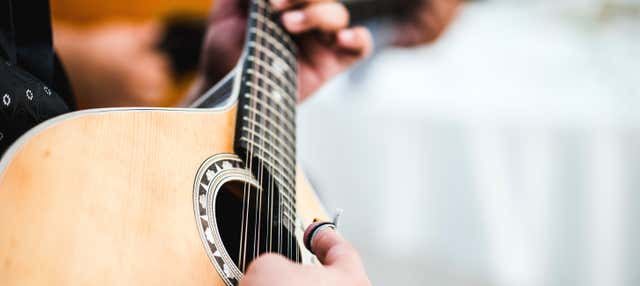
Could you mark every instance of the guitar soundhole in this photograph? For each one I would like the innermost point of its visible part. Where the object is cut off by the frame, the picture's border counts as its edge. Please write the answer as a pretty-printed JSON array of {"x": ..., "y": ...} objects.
[{"x": 249, "y": 224}]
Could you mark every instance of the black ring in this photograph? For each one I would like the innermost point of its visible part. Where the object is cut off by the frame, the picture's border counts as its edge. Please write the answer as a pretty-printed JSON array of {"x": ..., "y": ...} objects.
[{"x": 312, "y": 234}]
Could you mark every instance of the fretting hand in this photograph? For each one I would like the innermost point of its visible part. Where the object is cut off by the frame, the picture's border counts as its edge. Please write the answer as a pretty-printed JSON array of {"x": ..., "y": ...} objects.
[{"x": 327, "y": 46}]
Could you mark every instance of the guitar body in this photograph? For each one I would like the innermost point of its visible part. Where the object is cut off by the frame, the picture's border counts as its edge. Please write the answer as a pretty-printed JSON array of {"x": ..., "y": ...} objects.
[
  {"x": 106, "y": 197},
  {"x": 164, "y": 196}
]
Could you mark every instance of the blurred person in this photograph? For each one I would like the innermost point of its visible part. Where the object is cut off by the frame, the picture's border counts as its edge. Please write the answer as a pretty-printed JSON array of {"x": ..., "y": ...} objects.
[
  {"x": 151, "y": 63},
  {"x": 111, "y": 51},
  {"x": 115, "y": 64}
]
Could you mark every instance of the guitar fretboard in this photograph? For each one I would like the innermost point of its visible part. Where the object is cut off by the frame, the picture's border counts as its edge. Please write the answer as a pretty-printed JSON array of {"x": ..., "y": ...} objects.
[{"x": 266, "y": 131}]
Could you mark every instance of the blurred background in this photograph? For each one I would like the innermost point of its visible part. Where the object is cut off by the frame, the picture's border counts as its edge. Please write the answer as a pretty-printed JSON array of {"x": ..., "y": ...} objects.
[{"x": 503, "y": 152}]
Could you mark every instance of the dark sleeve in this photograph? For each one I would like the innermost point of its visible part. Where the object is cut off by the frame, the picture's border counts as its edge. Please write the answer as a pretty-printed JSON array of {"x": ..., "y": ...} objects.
[
  {"x": 364, "y": 10},
  {"x": 7, "y": 41},
  {"x": 33, "y": 85},
  {"x": 33, "y": 40}
]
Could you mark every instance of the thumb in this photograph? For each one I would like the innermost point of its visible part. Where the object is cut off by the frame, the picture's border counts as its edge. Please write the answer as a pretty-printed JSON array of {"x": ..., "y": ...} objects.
[{"x": 332, "y": 249}]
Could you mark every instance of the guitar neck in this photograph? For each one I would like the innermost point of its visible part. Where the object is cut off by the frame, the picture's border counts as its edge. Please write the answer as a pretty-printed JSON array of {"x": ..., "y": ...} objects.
[{"x": 265, "y": 129}]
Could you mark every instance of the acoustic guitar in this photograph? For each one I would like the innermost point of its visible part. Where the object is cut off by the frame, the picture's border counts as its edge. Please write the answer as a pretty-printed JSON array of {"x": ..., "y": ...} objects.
[{"x": 152, "y": 196}]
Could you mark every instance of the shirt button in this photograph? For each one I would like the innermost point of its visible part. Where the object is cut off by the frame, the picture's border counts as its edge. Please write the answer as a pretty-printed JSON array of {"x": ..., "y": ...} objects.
[{"x": 6, "y": 99}]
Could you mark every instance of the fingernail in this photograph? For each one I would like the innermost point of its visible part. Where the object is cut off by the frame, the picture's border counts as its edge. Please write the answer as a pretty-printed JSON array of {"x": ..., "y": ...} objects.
[
  {"x": 294, "y": 17},
  {"x": 347, "y": 36}
]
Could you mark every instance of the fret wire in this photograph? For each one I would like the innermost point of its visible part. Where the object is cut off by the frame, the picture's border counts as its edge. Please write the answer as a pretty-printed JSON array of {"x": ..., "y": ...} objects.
[
  {"x": 252, "y": 150},
  {"x": 291, "y": 128},
  {"x": 278, "y": 76},
  {"x": 286, "y": 180},
  {"x": 291, "y": 220},
  {"x": 288, "y": 211},
  {"x": 270, "y": 55},
  {"x": 254, "y": 135},
  {"x": 283, "y": 61},
  {"x": 288, "y": 170},
  {"x": 257, "y": 7},
  {"x": 287, "y": 222},
  {"x": 288, "y": 73},
  {"x": 277, "y": 29},
  {"x": 271, "y": 83},
  {"x": 279, "y": 150},
  {"x": 277, "y": 160},
  {"x": 271, "y": 24},
  {"x": 248, "y": 164},
  {"x": 288, "y": 206},
  {"x": 288, "y": 117},
  {"x": 271, "y": 44},
  {"x": 275, "y": 42},
  {"x": 287, "y": 86},
  {"x": 259, "y": 47},
  {"x": 287, "y": 134},
  {"x": 263, "y": 91},
  {"x": 265, "y": 49},
  {"x": 260, "y": 51},
  {"x": 289, "y": 199},
  {"x": 289, "y": 56},
  {"x": 290, "y": 159},
  {"x": 287, "y": 145},
  {"x": 250, "y": 144}
]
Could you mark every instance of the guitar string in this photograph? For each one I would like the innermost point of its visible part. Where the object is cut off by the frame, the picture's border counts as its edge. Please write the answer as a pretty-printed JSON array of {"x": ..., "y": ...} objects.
[
  {"x": 247, "y": 190},
  {"x": 242, "y": 222},
  {"x": 291, "y": 251},
  {"x": 269, "y": 112},
  {"x": 271, "y": 187},
  {"x": 269, "y": 80},
  {"x": 260, "y": 168},
  {"x": 291, "y": 235},
  {"x": 256, "y": 250}
]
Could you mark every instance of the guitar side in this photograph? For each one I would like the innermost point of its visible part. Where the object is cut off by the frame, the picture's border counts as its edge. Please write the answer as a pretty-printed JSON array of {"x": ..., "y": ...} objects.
[{"x": 105, "y": 198}]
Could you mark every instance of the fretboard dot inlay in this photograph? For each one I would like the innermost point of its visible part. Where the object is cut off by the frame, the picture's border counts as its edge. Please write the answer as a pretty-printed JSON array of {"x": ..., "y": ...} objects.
[{"x": 277, "y": 96}]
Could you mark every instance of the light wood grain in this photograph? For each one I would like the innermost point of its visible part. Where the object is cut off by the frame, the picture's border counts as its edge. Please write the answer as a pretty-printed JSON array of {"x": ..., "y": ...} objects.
[{"x": 106, "y": 199}]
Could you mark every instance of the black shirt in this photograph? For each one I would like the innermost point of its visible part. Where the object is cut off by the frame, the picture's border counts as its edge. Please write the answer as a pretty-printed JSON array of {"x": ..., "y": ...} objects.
[{"x": 33, "y": 85}]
